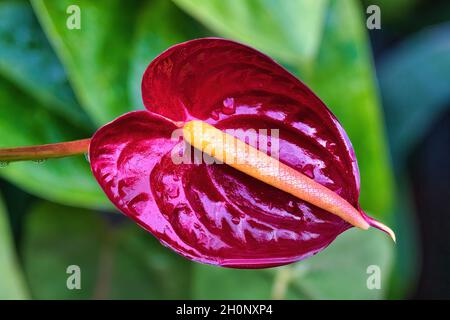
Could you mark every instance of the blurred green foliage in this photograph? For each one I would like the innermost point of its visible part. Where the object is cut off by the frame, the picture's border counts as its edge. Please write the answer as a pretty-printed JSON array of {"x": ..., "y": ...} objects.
[
  {"x": 27, "y": 60},
  {"x": 37, "y": 107},
  {"x": 415, "y": 97},
  {"x": 58, "y": 84},
  {"x": 273, "y": 27},
  {"x": 117, "y": 260},
  {"x": 340, "y": 273},
  {"x": 12, "y": 285}
]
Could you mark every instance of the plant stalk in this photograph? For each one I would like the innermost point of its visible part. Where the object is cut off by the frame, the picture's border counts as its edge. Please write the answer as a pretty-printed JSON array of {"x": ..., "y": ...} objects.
[{"x": 46, "y": 151}]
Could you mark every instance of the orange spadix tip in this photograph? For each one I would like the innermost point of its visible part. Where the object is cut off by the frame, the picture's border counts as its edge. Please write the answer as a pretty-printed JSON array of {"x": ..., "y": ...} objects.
[
  {"x": 249, "y": 160},
  {"x": 377, "y": 224}
]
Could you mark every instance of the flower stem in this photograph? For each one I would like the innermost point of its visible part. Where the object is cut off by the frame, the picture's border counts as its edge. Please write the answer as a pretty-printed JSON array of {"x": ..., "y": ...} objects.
[{"x": 46, "y": 151}]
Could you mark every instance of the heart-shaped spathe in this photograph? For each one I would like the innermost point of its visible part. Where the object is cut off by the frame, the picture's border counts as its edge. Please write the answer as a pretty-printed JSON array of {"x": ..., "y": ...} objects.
[{"x": 214, "y": 213}]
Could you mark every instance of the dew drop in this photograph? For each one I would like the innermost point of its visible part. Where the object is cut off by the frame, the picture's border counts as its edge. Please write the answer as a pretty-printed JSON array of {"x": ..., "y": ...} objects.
[
  {"x": 331, "y": 146},
  {"x": 235, "y": 220},
  {"x": 228, "y": 106}
]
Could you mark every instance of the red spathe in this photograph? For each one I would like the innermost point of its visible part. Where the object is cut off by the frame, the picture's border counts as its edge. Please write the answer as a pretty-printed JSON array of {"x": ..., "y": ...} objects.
[{"x": 214, "y": 213}]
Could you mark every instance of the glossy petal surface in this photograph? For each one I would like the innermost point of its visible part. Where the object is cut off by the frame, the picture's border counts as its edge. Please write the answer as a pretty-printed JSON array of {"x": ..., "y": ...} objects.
[{"x": 213, "y": 213}]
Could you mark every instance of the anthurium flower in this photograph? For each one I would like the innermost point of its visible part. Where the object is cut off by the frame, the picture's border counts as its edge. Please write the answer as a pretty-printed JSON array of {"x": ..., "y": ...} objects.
[{"x": 214, "y": 213}]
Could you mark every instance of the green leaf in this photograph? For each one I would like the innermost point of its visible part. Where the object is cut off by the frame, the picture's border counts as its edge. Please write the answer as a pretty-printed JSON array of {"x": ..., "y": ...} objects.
[
  {"x": 146, "y": 269},
  {"x": 57, "y": 237},
  {"x": 117, "y": 259},
  {"x": 211, "y": 282},
  {"x": 97, "y": 55},
  {"x": 12, "y": 285},
  {"x": 415, "y": 97},
  {"x": 340, "y": 272},
  {"x": 25, "y": 122},
  {"x": 27, "y": 59},
  {"x": 106, "y": 74},
  {"x": 343, "y": 77},
  {"x": 288, "y": 30},
  {"x": 160, "y": 25}
]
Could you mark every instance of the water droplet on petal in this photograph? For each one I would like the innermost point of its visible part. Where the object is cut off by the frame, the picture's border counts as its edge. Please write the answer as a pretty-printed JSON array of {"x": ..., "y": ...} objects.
[
  {"x": 228, "y": 106},
  {"x": 235, "y": 220},
  {"x": 331, "y": 146}
]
